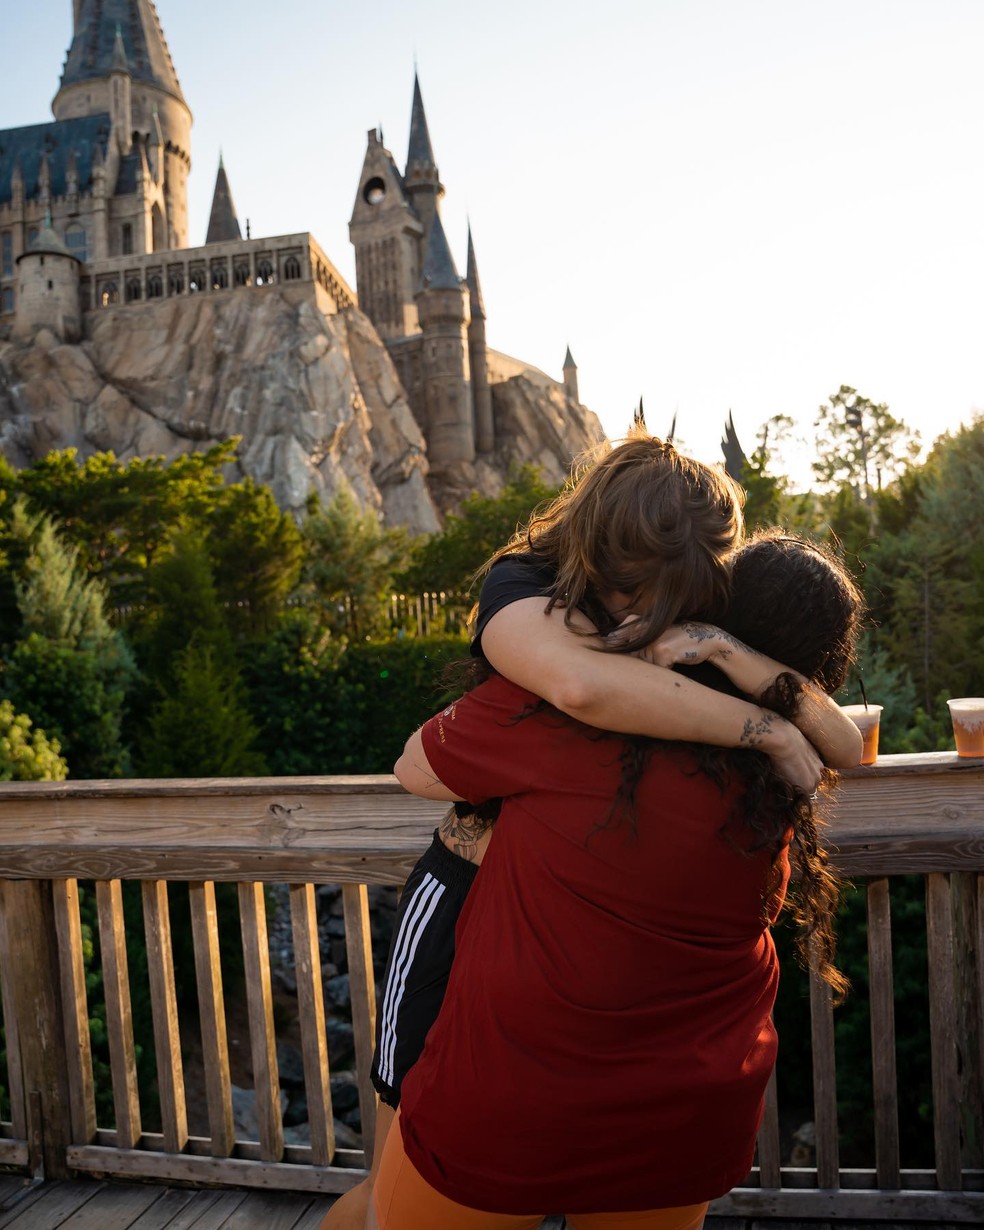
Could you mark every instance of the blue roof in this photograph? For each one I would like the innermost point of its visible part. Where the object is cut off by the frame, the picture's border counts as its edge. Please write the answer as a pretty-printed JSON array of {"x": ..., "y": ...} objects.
[
  {"x": 439, "y": 272},
  {"x": 91, "y": 55},
  {"x": 58, "y": 138}
]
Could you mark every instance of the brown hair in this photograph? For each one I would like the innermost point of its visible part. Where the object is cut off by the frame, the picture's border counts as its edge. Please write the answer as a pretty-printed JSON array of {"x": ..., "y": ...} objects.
[{"x": 643, "y": 520}]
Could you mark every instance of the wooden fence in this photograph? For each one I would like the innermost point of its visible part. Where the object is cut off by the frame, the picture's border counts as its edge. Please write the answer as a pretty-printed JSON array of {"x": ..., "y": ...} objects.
[{"x": 920, "y": 815}]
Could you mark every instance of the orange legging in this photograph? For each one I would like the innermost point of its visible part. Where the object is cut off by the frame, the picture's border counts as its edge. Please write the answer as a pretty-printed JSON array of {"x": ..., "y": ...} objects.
[{"x": 402, "y": 1200}]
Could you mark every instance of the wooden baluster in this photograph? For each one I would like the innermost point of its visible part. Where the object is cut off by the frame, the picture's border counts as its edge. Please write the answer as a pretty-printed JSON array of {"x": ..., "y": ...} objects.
[
  {"x": 33, "y": 1014},
  {"x": 943, "y": 1031},
  {"x": 358, "y": 947},
  {"x": 967, "y": 997},
  {"x": 882, "y": 1004},
  {"x": 211, "y": 1010},
  {"x": 262, "y": 1040},
  {"x": 119, "y": 1019},
  {"x": 164, "y": 1007},
  {"x": 15, "y": 1083},
  {"x": 769, "y": 1157},
  {"x": 824, "y": 1083},
  {"x": 311, "y": 1010},
  {"x": 78, "y": 1048}
]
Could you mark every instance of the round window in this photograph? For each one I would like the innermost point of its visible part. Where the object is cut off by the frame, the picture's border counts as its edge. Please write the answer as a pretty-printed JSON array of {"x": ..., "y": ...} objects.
[{"x": 375, "y": 191}]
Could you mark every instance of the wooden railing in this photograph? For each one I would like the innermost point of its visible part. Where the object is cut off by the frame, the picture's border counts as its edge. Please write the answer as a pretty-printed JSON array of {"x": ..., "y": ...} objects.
[{"x": 919, "y": 815}]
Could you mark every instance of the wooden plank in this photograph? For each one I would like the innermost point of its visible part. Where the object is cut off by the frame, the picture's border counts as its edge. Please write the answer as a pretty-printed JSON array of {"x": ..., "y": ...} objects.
[
  {"x": 34, "y": 1003},
  {"x": 943, "y": 1032},
  {"x": 881, "y": 996},
  {"x": 824, "y": 1082},
  {"x": 280, "y": 1211},
  {"x": 769, "y": 1159},
  {"x": 52, "y": 1204},
  {"x": 311, "y": 1012},
  {"x": 225, "y": 1172},
  {"x": 14, "y": 1203},
  {"x": 13, "y": 1153},
  {"x": 979, "y": 933},
  {"x": 262, "y": 1040},
  {"x": 834, "y": 1205},
  {"x": 209, "y": 1211},
  {"x": 313, "y": 1217},
  {"x": 162, "y": 1213},
  {"x": 78, "y": 1048},
  {"x": 116, "y": 1206},
  {"x": 119, "y": 1018},
  {"x": 362, "y": 988},
  {"x": 164, "y": 1009},
  {"x": 18, "y": 1105},
  {"x": 967, "y": 1001},
  {"x": 211, "y": 1011}
]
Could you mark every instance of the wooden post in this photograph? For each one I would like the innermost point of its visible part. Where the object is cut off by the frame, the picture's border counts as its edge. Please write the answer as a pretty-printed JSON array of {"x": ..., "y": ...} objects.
[{"x": 33, "y": 984}]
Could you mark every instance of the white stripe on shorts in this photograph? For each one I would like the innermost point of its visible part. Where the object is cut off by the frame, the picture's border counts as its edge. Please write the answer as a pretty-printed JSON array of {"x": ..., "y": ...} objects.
[{"x": 422, "y": 906}]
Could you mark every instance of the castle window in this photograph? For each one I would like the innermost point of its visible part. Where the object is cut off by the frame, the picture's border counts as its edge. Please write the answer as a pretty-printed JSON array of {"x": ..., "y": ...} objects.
[
  {"x": 292, "y": 269},
  {"x": 155, "y": 287},
  {"x": 32, "y": 236},
  {"x": 176, "y": 283},
  {"x": 7, "y": 254},
  {"x": 127, "y": 239},
  {"x": 264, "y": 273},
  {"x": 133, "y": 291},
  {"x": 220, "y": 278},
  {"x": 7, "y": 299},
  {"x": 75, "y": 241},
  {"x": 374, "y": 193},
  {"x": 51, "y": 285},
  {"x": 109, "y": 294},
  {"x": 241, "y": 275}
]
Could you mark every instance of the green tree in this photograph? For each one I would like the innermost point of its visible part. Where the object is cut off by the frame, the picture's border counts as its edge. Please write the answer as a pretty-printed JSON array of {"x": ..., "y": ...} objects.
[
  {"x": 349, "y": 566},
  {"x": 765, "y": 489},
  {"x": 449, "y": 561},
  {"x": 860, "y": 442},
  {"x": 26, "y": 754}
]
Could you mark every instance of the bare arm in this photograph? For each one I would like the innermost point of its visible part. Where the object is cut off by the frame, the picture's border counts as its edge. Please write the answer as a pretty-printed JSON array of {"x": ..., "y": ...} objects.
[
  {"x": 818, "y": 716},
  {"x": 614, "y": 692},
  {"x": 415, "y": 774}
]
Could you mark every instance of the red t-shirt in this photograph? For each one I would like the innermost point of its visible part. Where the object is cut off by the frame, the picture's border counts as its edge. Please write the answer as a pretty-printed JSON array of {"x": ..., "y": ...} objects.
[{"x": 605, "y": 1040}]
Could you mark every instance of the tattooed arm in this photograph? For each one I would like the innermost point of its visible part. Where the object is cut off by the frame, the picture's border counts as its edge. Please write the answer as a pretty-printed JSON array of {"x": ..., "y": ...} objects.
[
  {"x": 414, "y": 772},
  {"x": 465, "y": 835},
  {"x": 817, "y": 715}
]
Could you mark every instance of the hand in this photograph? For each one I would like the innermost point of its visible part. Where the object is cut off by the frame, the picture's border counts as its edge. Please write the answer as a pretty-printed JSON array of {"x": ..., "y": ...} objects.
[
  {"x": 793, "y": 756},
  {"x": 680, "y": 645}
]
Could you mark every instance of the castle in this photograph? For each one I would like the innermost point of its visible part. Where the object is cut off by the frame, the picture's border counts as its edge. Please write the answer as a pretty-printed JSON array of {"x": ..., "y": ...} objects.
[{"x": 94, "y": 216}]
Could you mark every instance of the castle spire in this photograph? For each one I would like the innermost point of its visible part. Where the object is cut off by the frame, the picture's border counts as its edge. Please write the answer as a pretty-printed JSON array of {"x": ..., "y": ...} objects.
[
  {"x": 97, "y": 26},
  {"x": 222, "y": 222},
  {"x": 423, "y": 183},
  {"x": 420, "y": 150},
  {"x": 119, "y": 62},
  {"x": 439, "y": 272},
  {"x": 570, "y": 377},
  {"x": 471, "y": 277}
]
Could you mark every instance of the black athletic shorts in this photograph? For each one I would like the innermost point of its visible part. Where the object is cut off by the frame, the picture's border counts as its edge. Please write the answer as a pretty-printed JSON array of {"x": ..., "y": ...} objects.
[{"x": 419, "y": 964}]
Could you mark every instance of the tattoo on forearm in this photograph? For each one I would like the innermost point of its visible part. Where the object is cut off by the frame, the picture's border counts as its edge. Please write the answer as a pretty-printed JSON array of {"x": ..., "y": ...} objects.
[
  {"x": 461, "y": 833},
  {"x": 753, "y": 732},
  {"x": 705, "y": 632}
]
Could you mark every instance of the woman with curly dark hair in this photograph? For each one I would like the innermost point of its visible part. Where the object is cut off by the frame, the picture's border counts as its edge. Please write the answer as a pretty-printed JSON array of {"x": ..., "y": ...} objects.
[{"x": 615, "y": 969}]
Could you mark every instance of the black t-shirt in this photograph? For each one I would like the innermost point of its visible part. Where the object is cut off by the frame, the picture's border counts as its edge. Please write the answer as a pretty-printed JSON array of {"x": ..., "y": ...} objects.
[{"x": 509, "y": 579}]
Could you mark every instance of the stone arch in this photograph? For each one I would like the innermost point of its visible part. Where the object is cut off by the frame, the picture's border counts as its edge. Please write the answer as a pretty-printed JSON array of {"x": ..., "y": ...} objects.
[
  {"x": 220, "y": 276},
  {"x": 134, "y": 291},
  {"x": 292, "y": 269},
  {"x": 176, "y": 282},
  {"x": 109, "y": 294},
  {"x": 240, "y": 274},
  {"x": 264, "y": 273},
  {"x": 155, "y": 286}
]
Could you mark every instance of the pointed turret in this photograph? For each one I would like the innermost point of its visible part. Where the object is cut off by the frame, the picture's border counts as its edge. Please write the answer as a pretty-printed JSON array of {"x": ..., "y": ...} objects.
[
  {"x": 222, "y": 222},
  {"x": 570, "y": 376},
  {"x": 104, "y": 28},
  {"x": 155, "y": 146},
  {"x": 439, "y": 272},
  {"x": 386, "y": 235},
  {"x": 119, "y": 62},
  {"x": 120, "y": 96},
  {"x": 422, "y": 180},
  {"x": 478, "y": 356}
]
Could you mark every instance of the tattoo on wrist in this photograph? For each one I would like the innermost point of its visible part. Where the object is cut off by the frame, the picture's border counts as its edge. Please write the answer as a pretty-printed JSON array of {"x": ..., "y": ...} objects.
[
  {"x": 707, "y": 632},
  {"x": 754, "y": 731}
]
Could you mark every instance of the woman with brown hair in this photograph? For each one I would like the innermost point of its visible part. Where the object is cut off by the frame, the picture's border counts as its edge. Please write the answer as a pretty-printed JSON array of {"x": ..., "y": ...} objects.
[{"x": 615, "y": 969}]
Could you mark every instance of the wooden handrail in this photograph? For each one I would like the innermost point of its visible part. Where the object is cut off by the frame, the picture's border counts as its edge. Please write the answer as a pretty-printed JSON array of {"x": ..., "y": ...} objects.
[{"x": 906, "y": 814}]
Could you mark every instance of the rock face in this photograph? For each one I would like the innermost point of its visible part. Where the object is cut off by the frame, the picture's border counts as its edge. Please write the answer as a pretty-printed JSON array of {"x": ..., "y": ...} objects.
[{"x": 315, "y": 398}]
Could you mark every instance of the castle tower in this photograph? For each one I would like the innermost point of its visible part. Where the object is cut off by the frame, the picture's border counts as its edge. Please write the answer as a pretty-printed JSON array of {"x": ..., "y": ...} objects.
[
  {"x": 120, "y": 97},
  {"x": 92, "y": 69},
  {"x": 570, "y": 376},
  {"x": 423, "y": 183},
  {"x": 48, "y": 289},
  {"x": 386, "y": 234},
  {"x": 442, "y": 305},
  {"x": 478, "y": 356},
  {"x": 222, "y": 221}
]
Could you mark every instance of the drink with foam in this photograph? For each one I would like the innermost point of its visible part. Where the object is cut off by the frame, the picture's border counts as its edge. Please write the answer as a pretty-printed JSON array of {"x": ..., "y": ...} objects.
[
  {"x": 967, "y": 715},
  {"x": 867, "y": 718}
]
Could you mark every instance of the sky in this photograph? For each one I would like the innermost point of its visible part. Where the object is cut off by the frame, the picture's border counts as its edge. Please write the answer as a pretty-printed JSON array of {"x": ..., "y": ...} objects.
[{"x": 719, "y": 205}]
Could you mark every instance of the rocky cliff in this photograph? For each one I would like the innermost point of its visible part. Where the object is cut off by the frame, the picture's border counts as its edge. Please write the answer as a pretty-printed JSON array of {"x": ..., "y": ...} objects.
[{"x": 315, "y": 398}]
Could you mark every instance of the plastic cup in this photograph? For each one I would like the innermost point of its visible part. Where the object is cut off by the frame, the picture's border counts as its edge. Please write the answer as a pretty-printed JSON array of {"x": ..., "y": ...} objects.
[
  {"x": 967, "y": 716},
  {"x": 867, "y": 719}
]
